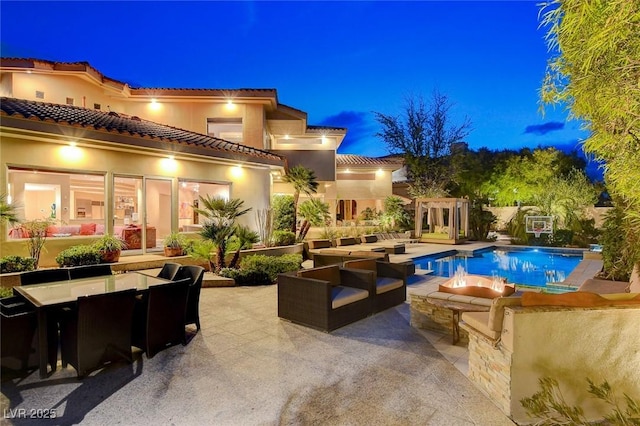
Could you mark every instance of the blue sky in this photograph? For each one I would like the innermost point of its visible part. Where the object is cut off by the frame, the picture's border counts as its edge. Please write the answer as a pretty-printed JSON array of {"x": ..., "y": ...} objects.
[{"x": 338, "y": 61}]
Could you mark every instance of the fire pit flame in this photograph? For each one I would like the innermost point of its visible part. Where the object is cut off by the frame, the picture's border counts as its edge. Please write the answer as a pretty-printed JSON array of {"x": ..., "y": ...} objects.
[{"x": 475, "y": 285}]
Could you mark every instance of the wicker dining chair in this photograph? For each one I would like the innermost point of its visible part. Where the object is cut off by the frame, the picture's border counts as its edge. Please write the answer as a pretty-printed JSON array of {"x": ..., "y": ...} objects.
[
  {"x": 18, "y": 331},
  {"x": 169, "y": 270},
  {"x": 98, "y": 332},
  {"x": 88, "y": 271},
  {"x": 41, "y": 276},
  {"x": 161, "y": 323},
  {"x": 195, "y": 275}
]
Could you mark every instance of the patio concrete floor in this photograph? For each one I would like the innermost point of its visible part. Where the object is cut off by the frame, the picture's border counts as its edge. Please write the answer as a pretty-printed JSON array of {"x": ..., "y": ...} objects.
[{"x": 248, "y": 367}]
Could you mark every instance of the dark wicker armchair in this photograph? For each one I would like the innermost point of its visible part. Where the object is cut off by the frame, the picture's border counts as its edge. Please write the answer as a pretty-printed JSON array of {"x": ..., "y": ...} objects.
[
  {"x": 160, "y": 324},
  {"x": 88, "y": 271},
  {"x": 325, "y": 298},
  {"x": 195, "y": 275},
  {"x": 169, "y": 270},
  {"x": 98, "y": 332},
  {"x": 390, "y": 278}
]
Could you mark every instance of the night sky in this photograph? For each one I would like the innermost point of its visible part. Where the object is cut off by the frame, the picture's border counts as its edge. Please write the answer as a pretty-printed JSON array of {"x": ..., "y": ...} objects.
[{"x": 338, "y": 61}]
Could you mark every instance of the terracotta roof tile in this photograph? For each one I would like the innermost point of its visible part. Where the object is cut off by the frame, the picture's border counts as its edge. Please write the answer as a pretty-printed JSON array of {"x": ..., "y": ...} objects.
[
  {"x": 121, "y": 123},
  {"x": 360, "y": 160}
]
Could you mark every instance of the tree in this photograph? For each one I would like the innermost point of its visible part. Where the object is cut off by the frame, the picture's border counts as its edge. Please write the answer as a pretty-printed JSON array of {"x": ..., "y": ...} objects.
[
  {"x": 525, "y": 178},
  {"x": 424, "y": 136},
  {"x": 219, "y": 226},
  {"x": 244, "y": 238},
  {"x": 395, "y": 216},
  {"x": 594, "y": 70},
  {"x": 314, "y": 212},
  {"x": 303, "y": 180}
]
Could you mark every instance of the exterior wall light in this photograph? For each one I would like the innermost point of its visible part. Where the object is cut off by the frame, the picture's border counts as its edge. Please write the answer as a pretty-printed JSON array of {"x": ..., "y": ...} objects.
[
  {"x": 71, "y": 152},
  {"x": 155, "y": 105},
  {"x": 237, "y": 172},
  {"x": 169, "y": 164}
]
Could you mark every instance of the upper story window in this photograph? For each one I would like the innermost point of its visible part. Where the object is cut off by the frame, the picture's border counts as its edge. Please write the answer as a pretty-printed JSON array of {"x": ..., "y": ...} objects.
[{"x": 229, "y": 129}]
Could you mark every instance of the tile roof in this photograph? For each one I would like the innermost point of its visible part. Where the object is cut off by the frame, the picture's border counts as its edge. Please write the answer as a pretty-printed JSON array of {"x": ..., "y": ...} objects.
[
  {"x": 360, "y": 160},
  {"x": 43, "y": 64},
  {"x": 121, "y": 124},
  {"x": 319, "y": 129}
]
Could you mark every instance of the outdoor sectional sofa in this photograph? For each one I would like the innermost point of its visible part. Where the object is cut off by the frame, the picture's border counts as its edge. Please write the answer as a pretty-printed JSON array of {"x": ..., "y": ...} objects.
[
  {"x": 569, "y": 337},
  {"x": 325, "y": 298}
]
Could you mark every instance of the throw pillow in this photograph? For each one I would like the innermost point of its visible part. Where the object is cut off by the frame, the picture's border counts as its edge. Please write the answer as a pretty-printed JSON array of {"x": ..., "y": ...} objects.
[
  {"x": 87, "y": 228},
  {"x": 51, "y": 230}
]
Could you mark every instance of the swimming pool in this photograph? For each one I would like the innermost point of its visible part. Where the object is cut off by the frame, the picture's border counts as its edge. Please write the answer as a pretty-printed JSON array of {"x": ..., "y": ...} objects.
[{"x": 519, "y": 265}]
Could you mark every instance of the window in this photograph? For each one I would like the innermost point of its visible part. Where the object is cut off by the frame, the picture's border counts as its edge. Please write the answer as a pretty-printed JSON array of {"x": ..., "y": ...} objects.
[
  {"x": 97, "y": 106},
  {"x": 67, "y": 200},
  {"x": 229, "y": 129},
  {"x": 189, "y": 198},
  {"x": 69, "y": 101},
  {"x": 39, "y": 94}
]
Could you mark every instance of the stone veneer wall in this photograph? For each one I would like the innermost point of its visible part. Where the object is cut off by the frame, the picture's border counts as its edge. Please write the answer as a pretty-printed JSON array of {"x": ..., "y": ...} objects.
[
  {"x": 426, "y": 316},
  {"x": 490, "y": 368}
]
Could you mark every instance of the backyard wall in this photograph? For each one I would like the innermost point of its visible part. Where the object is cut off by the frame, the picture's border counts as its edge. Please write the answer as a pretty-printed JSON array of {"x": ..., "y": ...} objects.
[
  {"x": 566, "y": 344},
  {"x": 505, "y": 214}
]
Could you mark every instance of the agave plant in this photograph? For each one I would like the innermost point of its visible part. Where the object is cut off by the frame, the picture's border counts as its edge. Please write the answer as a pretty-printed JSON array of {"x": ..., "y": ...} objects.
[{"x": 8, "y": 213}]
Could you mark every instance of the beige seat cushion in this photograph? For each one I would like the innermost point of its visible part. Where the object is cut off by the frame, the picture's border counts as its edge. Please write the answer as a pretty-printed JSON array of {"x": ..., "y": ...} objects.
[
  {"x": 594, "y": 285},
  {"x": 329, "y": 273},
  {"x": 496, "y": 314},
  {"x": 341, "y": 296},
  {"x": 385, "y": 284},
  {"x": 479, "y": 321}
]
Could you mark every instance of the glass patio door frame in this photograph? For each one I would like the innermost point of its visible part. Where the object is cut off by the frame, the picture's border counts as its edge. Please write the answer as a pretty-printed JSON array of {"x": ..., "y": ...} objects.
[{"x": 142, "y": 204}]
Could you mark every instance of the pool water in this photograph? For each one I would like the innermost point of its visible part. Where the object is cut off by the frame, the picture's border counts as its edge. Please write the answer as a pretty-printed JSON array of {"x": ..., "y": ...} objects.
[{"x": 532, "y": 266}]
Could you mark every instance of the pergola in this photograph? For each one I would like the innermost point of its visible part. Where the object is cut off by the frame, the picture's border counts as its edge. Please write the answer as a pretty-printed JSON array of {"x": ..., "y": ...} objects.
[{"x": 442, "y": 220}]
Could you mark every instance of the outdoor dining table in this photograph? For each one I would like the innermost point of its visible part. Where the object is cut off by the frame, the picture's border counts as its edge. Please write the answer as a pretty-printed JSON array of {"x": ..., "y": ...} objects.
[{"x": 46, "y": 297}]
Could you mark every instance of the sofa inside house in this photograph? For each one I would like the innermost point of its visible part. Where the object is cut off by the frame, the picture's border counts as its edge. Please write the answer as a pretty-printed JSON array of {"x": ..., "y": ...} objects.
[
  {"x": 130, "y": 234},
  {"x": 568, "y": 337}
]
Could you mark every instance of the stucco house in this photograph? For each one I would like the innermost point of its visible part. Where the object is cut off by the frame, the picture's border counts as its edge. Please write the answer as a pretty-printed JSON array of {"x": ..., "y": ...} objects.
[{"x": 95, "y": 155}]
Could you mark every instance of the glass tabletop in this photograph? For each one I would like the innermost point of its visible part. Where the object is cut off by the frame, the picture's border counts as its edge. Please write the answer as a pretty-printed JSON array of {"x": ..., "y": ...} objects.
[{"x": 69, "y": 291}]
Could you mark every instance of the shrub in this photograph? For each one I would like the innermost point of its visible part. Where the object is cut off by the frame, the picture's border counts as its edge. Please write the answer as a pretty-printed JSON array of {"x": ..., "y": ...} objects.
[
  {"x": 79, "y": 255},
  {"x": 283, "y": 238},
  {"x": 585, "y": 232},
  {"x": 6, "y": 292},
  {"x": 16, "y": 264},
  {"x": 246, "y": 277},
  {"x": 562, "y": 237},
  {"x": 271, "y": 265},
  {"x": 620, "y": 246},
  {"x": 480, "y": 222},
  {"x": 283, "y": 212}
]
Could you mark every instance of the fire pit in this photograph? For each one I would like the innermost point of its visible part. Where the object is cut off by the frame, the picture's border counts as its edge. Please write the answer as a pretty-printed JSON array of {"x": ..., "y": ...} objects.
[{"x": 477, "y": 286}]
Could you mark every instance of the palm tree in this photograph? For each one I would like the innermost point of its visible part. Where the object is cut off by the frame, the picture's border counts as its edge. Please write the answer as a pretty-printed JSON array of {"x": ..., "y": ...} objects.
[
  {"x": 220, "y": 216},
  {"x": 246, "y": 238},
  {"x": 315, "y": 213},
  {"x": 303, "y": 180}
]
